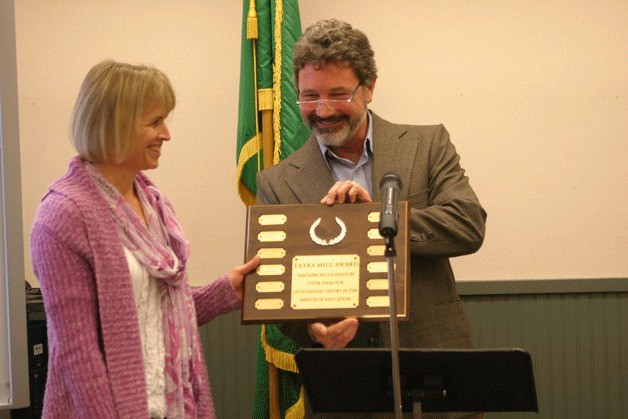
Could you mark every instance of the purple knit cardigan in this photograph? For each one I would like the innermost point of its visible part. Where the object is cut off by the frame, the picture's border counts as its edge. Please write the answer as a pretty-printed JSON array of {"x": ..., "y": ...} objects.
[{"x": 95, "y": 366}]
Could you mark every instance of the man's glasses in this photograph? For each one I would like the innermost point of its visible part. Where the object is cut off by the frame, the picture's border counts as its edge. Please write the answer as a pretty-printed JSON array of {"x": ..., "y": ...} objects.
[{"x": 335, "y": 103}]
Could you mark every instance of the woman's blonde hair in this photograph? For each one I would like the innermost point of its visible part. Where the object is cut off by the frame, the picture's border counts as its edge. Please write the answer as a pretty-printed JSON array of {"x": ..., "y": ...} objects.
[{"x": 111, "y": 99}]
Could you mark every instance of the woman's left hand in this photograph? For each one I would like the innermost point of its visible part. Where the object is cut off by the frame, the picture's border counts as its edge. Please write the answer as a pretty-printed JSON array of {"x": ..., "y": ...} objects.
[{"x": 236, "y": 275}]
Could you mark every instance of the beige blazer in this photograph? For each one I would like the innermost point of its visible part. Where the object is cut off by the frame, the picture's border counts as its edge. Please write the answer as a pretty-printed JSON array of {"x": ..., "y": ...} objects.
[{"x": 446, "y": 220}]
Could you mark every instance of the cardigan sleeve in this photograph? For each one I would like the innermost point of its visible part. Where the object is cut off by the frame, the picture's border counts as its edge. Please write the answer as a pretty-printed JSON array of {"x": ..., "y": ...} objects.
[
  {"x": 214, "y": 299},
  {"x": 69, "y": 292}
]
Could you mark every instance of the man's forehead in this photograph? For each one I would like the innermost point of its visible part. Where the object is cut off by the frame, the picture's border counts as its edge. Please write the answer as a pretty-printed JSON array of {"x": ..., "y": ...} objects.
[{"x": 329, "y": 76}]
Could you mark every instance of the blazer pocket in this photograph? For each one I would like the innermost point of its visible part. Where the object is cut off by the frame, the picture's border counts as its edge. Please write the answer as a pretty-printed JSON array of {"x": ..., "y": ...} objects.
[{"x": 419, "y": 199}]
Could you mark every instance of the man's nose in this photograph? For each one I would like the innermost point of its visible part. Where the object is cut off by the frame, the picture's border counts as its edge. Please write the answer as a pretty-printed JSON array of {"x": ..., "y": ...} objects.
[{"x": 323, "y": 107}]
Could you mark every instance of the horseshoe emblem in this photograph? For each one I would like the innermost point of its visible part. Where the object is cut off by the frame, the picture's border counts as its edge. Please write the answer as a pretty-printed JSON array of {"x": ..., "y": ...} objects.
[{"x": 322, "y": 242}]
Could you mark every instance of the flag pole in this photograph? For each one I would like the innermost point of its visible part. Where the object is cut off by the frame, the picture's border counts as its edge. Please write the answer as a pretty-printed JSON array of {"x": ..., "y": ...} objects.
[
  {"x": 265, "y": 100},
  {"x": 252, "y": 33},
  {"x": 264, "y": 97}
]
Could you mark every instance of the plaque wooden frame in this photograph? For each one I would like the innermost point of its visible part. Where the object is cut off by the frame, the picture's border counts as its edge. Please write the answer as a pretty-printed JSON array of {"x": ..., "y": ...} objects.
[{"x": 322, "y": 262}]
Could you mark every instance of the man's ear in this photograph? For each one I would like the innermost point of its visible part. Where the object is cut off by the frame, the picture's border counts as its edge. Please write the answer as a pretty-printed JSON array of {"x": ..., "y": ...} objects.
[{"x": 368, "y": 90}]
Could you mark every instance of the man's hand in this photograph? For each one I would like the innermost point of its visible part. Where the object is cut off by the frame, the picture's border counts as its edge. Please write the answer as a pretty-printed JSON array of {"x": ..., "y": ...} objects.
[
  {"x": 347, "y": 191},
  {"x": 334, "y": 336}
]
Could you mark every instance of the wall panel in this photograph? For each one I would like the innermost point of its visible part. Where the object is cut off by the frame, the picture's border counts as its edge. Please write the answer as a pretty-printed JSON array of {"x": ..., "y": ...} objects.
[{"x": 578, "y": 346}]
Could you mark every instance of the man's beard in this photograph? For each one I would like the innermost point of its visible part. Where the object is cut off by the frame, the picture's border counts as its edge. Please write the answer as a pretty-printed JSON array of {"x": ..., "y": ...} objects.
[{"x": 335, "y": 136}]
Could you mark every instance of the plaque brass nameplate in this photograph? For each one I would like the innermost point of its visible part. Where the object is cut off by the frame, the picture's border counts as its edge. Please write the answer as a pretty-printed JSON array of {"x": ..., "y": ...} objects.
[
  {"x": 271, "y": 236},
  {"x": 269, "y": 286},
  {"x": 373, "y": 217},
  {"x": 377, "y": 267},
  {"x": 268, "y": 303},
  {"x": 378, "y": 301},
  {"x": 377, "y": 284},
  {"x": 271, "y": 253},
  {"x": 373, "y": 234},
  {"x": 272, "y": 219},
  {"x": 377, "y": 250},
  {"x": 322, "y": 262},
  {"x": 270, "y": 270}
]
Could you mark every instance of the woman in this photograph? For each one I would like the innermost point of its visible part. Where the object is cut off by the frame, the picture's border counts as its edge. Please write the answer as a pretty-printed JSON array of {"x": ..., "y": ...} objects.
[{"x": 110, "y": 257}]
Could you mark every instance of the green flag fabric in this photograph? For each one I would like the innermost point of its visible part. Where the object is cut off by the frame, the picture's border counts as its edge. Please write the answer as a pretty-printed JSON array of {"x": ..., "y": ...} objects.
[
  {"x": 269, "y": 30},
  {"x": 277, "y": 371}
]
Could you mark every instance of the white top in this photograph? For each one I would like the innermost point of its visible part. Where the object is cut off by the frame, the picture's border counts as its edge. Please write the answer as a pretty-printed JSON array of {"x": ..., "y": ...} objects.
[{"x": 149, "y": 313}]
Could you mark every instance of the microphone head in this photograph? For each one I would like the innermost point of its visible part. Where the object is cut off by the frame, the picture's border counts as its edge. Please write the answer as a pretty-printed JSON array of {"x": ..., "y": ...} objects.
[{"x": 391, "y": 177}]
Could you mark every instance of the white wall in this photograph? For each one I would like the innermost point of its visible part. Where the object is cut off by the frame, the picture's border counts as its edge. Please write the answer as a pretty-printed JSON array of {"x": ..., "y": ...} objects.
[
  {"x": 197, "y": 43},
  {"x": 533, "y": 93},
  {"x": 14, "y": 391}
]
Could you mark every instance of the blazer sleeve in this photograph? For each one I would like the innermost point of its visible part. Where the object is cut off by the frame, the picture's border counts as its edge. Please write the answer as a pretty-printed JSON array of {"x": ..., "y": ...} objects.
[
  {"x": 69, "y": 292},
  {"x": 446, "y": 218}
]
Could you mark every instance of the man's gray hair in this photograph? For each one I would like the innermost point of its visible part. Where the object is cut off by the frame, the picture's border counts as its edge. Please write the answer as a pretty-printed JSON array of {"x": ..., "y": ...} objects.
[{"x": 333, "y": 41}]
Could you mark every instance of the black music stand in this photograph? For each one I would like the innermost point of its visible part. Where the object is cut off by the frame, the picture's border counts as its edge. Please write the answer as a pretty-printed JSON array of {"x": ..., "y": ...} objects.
[{"x": 449, "y": 380}]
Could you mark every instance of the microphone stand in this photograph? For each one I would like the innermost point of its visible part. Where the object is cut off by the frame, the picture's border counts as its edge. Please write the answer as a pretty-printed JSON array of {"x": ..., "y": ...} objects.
[{"x": 390, "y": 252}]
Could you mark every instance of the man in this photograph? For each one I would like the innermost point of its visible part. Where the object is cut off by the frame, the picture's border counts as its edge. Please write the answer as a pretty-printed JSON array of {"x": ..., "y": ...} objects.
[{"x": 348, "y": 153}]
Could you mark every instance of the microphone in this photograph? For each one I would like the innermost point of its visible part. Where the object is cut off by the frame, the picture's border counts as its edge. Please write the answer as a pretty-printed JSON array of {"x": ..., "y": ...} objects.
[{"x": 390, "y": 187}]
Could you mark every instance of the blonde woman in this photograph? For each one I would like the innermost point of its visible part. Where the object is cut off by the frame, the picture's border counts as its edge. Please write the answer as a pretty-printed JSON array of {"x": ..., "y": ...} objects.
[{"x": 111, "y": 259}]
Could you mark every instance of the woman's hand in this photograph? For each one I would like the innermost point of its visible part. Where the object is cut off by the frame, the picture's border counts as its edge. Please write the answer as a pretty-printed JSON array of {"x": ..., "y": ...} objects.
[
  {"x": 347, "y": 191},
  {"x": 236, "y": 275}
]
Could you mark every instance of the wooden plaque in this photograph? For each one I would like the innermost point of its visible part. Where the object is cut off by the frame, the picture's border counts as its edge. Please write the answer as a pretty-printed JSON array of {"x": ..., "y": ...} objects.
[{"x": 322, "y": 262}]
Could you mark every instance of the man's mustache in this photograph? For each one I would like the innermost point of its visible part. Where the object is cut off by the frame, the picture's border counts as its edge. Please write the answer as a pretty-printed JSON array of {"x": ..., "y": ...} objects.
[{"x": 330, "y": 119}]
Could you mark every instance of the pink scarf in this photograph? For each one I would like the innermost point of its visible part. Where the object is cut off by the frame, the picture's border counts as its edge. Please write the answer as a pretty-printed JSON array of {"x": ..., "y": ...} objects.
[{"x": 163, "y": 250}]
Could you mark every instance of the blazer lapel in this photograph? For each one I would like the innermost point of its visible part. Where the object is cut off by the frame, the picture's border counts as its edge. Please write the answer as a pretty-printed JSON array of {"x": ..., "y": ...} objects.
[
  {"x": 310, "y": 179},
  {"x": 391, "y": 153}
]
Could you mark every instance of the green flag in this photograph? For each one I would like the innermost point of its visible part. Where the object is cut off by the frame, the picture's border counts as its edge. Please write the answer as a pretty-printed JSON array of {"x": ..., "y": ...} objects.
[
  {"x": 268, "y": 114},
  {"x": 267, "y": 93},
  {"x": 278, "y": 385}
]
